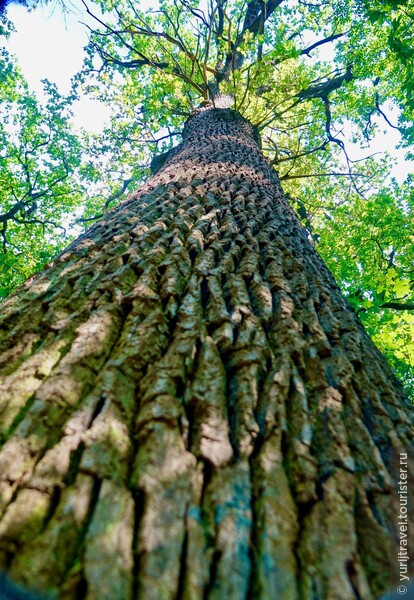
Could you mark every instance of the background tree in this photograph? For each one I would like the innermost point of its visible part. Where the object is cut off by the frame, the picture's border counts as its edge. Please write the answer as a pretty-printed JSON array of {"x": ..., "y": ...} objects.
[
  {"x": 54, "y": 177},
  {"x": 189, "y": 407},
  {"x": 39, "y": 154}
]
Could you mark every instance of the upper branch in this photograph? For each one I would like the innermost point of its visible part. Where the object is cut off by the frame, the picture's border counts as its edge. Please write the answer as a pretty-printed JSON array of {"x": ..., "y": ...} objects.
[
  {"x": 257, "y": 13},
  {"x": 327, "y": 40},
  {"x": 398, "y": 305}
]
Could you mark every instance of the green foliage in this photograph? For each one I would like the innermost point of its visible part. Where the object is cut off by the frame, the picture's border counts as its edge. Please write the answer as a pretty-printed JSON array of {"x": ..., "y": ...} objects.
[
  {"x": 396, "y": 17},
  {"x": 372, "y": 259},
  {"x": 39, "y": 154},
  {"x": 53, "y": 179}
]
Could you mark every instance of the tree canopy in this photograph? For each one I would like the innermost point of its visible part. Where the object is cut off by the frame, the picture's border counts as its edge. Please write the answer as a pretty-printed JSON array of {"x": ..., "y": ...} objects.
[{"x": 316, "y": 78}]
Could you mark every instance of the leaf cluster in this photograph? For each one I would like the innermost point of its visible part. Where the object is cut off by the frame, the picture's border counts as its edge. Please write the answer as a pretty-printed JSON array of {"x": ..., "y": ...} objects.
[{"x": 39, "y": 154}]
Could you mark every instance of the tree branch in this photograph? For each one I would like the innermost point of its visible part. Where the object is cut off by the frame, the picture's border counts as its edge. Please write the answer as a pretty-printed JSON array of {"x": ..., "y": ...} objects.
[
  {"x": 111, "y": 198},
  {"x": 117, "y": 194},
  {"x": 330, "y": 38},
  {"x": 128, "y": 64},
  {"x": 10, "y": 214},
  {"x": 278, "y": 159},
  {"x": 257, "y": 13},
  {"x": 398, "y": 305},
  {"x": 147, "y": 61},
  {"x": 323, "y": 175},
  {"x": 384, "y": 115},
  {"x": 322, "y": 90}
]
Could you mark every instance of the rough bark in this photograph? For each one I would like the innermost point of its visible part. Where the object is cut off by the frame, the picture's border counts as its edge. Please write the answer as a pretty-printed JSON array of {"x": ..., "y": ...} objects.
[{"x": 189, "y": 408}]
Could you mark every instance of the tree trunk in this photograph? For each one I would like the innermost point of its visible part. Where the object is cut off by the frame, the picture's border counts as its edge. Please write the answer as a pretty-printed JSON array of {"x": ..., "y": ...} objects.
[{"x": 189, "y": 408}]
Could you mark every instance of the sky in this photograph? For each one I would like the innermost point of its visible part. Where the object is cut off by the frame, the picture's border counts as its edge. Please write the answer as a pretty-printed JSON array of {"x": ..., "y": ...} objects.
[{"x": 50, "y": 45}]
